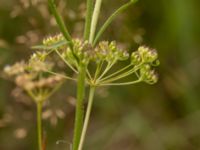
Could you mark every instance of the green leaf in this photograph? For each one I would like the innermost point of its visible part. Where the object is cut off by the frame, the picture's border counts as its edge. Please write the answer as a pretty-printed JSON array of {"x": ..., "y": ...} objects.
[
  {"x": 111, "y": 18},
  {"x": 50, "y": 47}
]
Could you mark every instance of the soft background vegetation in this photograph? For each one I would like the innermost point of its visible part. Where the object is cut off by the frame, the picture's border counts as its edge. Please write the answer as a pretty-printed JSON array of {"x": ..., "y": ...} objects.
[{"x": 165, "y": 116}]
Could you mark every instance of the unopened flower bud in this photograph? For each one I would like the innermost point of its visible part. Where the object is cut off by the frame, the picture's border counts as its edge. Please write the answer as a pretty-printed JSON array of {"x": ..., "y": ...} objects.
[
  {"x": 124, "y": 56},
  {"x": 53, "y": 39},
  {"x": 144, "y": 70},
  {"x": 148, "y": 75},
  {"x": 136, "y": 58},
  {"x": 143, "y": 51},
  {"x": 150, "y": 56}
]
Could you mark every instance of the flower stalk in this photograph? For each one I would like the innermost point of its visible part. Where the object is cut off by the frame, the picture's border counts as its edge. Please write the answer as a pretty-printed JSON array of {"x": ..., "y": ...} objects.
[
  {"x": 79, "y": 116},
  {"x": 95, "y": 17},
  {"x": 87, "y": 116},
  {"x": 39, "y": 124}
]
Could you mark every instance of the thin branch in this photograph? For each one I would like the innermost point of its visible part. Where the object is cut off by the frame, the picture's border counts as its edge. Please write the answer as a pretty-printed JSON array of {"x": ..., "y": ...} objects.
[
  {"x": 115, "y": 73},
  {"x": 111, "y": 18},
  {"x": 88, "y": 74},
  {"x": 63, "y": 76},
  {"x": 31, "y": 94},
  {"x": 123, "y": 83},
  {"x": 66, "y": 62},
  {"x": 122, "y": 75},
  {"x": 60, "y": 22},
  {"x": 108, "y": 67},
  {"x": 98, "y": 70}
]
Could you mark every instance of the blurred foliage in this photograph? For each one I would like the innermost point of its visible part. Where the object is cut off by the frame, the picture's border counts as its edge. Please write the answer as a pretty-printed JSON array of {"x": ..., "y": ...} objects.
[{"x": 140, "y": 117}]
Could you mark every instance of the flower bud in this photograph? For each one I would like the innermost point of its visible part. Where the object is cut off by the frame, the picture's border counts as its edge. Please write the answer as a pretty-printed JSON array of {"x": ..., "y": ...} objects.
[
  {"x": 144, "y": 70},
  {"x": 143, "y": 51},
  {"x": 53, "y": 39},
  {"x": 147, "y": 75},
  {"x": 113, "y": 46},
  {"x": 151, "y": 56},
  {"x": 136, "y": 58},
  {"x": 124, "y": 56},
  {"x": 155, "y": 63}
]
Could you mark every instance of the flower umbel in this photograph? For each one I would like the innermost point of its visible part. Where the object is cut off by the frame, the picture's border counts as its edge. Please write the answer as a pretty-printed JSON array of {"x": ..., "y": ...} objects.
[
  {"x": 105, "y": 55},
  {"x": 32, "y": 77}
]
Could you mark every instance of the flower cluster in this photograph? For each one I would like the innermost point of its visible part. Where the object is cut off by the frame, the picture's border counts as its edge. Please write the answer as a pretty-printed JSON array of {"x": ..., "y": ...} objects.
[
  {"x": 17, "y": 68},
  {"x": 39, "y": 63},
  {"x": 85, "y": 52},
  {"x": 32, "y": 76},
  {"x": 146, "y": 58},
  {"x": 81, "y": 52},
  {"x": 108, "y": 53},
  {"x": 28, "y": 82},
  {"x": 51, "y": 40}
]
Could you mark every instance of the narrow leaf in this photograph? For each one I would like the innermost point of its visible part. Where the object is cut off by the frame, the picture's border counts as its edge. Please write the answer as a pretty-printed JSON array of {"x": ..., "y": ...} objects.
[
  {"x": 50, "y": 47},
  {"x": 111, "y": 18}
]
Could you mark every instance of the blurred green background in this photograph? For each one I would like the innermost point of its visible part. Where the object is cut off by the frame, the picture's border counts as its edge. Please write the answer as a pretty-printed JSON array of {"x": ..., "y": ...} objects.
[{"x": 165, "y": 116}]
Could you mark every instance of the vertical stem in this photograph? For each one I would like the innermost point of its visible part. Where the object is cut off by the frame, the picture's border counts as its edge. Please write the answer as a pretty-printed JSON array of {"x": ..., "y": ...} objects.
[
  {"x": 79, "y": 106},
  {"x": 95, "y": 19},
  {"x": 87, "y": 117},
  {"x": 39, "y": 124},
  {"x": 88, "y": 19}
]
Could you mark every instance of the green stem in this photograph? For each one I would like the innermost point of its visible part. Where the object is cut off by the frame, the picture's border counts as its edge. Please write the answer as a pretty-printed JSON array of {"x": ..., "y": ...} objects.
[
  {"x": 87, "y": 117},
  {"x": 120, "y": 76},
  {"x": 88, "y": 74},
  {"x": 95, "y": 17},
  {"x": 39, "y": 124},
  {"x": 60, "y": 22},
  {"x": 61, "y": 75},
  {"x": 115, "y": 73},
  {"x": 88, "y": 19},
  {"x": 108, "y": 67},
  {"x": 79, "y": 106},
  {"x": 111, "y": 18},
  {"x": 98, "y": 69},
  {"x": 123, "y": 83}
]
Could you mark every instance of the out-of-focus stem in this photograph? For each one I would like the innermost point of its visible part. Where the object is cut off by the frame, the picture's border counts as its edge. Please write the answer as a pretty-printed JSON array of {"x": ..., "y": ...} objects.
[{"x": 39, "y": 124}]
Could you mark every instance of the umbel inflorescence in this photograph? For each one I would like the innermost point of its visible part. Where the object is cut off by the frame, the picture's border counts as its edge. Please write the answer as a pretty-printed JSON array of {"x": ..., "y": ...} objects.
[
  {"x": 103, "y": 57},
  {"x": 33, "y": 78},
  {"x": 89, "y": 62}
]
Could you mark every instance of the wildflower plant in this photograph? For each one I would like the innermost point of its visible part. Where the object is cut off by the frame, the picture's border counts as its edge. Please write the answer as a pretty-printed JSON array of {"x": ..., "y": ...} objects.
[{"x": 92, "y": 61}]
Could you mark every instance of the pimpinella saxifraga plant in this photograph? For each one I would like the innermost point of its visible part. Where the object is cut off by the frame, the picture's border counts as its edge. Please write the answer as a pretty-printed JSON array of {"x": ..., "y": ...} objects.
[{"x": 92, "y": 61}]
